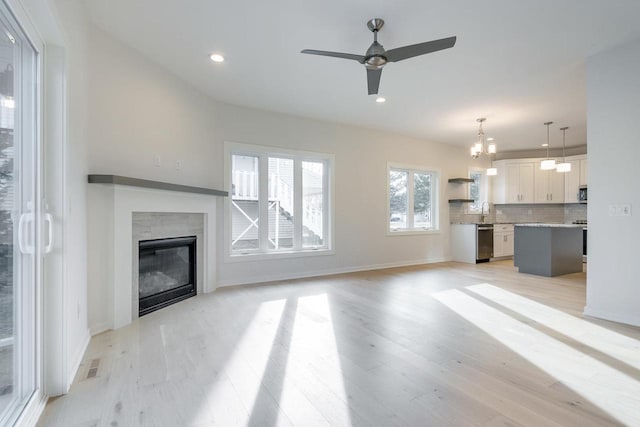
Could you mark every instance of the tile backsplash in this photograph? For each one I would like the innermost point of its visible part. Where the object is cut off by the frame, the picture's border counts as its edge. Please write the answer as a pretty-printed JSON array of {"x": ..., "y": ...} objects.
[{"x": 554, "y": 214}]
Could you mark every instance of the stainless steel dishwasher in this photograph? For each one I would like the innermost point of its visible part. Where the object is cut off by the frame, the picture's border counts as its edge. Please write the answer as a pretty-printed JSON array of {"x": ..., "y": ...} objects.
[{"x": 484, "y": 242}]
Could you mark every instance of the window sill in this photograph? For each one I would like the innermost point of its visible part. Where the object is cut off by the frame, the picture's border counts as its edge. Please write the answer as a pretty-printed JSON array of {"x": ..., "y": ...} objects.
[
  {"x": 412, "y": 232},
  {"x": 262, "y": 256}
]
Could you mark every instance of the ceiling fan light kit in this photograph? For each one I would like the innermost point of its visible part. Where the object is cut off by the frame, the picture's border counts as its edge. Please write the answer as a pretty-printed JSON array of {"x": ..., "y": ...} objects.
[{"x": 376, "y": 57}]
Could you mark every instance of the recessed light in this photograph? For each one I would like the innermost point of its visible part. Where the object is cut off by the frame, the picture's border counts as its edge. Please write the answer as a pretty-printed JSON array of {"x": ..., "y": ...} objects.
[
  {"x": 545, "y": 145},
  {"x": 216, "y": 57},
  {"x": 381, "y": 99}
]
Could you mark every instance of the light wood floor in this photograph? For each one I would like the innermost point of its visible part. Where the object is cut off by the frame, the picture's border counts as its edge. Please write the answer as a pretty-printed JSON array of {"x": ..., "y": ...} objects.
[{"x": 437, "y": 345}]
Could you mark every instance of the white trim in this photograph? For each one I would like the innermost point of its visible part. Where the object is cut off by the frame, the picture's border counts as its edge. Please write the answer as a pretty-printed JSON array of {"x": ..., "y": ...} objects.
[
  {"x": 261, "y": 278},
  {"x": 33, "y": 410},
  {"x": 99, "y": 328},
  {"x": 484, "y": 187},
  {"x": 613, "y": 317},
  {"x": 77, "y": 359},
  {"x": 436, "y": 203},
  {"x": 413, "y": 232},
  {"x": 238, "y": 148},
  {"x": 260, "y": 256}
]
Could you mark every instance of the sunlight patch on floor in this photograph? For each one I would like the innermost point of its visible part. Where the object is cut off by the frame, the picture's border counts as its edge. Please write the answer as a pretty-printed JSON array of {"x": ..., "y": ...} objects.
[
  {"x": 616, "y": 345},
  {"x": 313, "y": 346},
  {"x": 612, "y": 391},
  {"x": 243, "y": 372}
]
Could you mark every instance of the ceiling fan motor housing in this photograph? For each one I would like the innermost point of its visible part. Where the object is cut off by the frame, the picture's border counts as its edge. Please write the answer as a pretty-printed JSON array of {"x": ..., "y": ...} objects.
[{"x": 375, "y": 57}]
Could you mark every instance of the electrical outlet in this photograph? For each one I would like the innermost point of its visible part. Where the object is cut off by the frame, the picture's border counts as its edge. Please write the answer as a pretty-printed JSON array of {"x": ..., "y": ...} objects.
[
  {"x": 178, "y": 164},
  {"x": 157, "y": 161},
  {"x": 530, "y": 212},
  {"x": 498, "y": 211}
]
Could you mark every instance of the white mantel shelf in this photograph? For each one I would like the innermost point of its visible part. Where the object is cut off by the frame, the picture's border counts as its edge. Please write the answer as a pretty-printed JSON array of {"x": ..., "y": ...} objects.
[{"x": 158, "y": 185}]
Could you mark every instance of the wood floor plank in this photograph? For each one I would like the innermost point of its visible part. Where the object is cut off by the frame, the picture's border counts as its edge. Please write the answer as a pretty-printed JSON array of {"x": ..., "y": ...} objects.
[{"x": 365, "y": 349}]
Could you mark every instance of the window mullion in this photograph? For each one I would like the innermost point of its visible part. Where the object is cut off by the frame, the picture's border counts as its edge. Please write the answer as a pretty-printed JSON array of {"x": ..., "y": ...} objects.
[
  {"x": 410, "y": 201},
  {"x": 297, "y": 204},
  {"x": 263, "y": 202}
]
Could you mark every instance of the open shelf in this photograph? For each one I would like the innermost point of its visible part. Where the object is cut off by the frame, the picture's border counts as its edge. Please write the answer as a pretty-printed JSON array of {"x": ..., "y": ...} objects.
[
  {"x": 461, "y": 200},
  {"x": 460, "y": 180}
]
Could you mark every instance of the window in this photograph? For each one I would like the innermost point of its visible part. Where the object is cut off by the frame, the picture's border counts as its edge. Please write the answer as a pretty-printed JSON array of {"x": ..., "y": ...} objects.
[
  {"x": 412, "y": 199},
  {"x": 279, "y": 200},
  {"x": 477, "y": 190}
]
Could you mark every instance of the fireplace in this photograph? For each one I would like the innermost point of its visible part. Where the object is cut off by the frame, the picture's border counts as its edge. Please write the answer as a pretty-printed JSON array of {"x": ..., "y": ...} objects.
[{"x": 166, "y": 272}]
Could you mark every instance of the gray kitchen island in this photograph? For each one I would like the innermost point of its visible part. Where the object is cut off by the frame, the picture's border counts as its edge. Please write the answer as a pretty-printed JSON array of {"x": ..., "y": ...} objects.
[{"x": 548, "y": 249}]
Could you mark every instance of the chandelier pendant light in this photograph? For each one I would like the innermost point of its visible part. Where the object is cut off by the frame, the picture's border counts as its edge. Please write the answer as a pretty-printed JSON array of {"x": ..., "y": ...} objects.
[
  {"x": 548, "y": 163},
  {"x": 563, "y": 167},
  {"x": 481, "y": 146}
]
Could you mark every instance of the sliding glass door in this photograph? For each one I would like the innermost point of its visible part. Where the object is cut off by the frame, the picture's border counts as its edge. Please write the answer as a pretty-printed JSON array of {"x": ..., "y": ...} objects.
[{"x": 19, "y": 219}]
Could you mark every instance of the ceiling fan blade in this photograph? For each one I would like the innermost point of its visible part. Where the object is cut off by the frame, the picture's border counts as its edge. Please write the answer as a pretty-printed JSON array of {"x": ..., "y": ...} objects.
[
  {"x": 406, "y": 52},
  {"x": 358, "y": 58},
  {"x": 373, "y": 80}
]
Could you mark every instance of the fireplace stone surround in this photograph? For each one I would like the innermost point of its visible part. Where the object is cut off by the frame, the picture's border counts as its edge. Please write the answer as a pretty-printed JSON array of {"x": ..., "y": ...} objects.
[{"x": 120, "y": 214}]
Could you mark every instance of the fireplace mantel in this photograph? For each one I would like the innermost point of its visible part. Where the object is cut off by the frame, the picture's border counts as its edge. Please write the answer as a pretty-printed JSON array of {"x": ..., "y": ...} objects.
[
  {"x": 158, "y": 185},
  {"x": 110, "y": 210}
]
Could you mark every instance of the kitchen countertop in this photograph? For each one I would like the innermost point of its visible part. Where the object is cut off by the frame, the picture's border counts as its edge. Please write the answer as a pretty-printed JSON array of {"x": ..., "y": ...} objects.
[{"x": 550, "y": 225}]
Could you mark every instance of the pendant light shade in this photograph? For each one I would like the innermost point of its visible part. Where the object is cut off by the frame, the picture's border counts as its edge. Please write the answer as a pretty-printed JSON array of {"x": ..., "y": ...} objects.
[
  {"x": 492, "y": 171},
  {"x": 563, "y": 167},
  {"x": 481, "y": 146},
  {"x": 548, "y": 163}
]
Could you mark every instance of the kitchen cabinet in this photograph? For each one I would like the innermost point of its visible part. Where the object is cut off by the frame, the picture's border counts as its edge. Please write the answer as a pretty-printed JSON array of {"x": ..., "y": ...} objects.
[
  {"x": 575, "y": 178},
  {"x": 583, "y": 171},
  {"x": 514, "y": 182},
  {"x": 503, "y": 240},
  {"x": 549, "y": 186}
]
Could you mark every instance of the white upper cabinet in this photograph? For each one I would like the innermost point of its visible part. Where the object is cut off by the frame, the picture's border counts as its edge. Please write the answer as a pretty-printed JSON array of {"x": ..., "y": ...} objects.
[
  {"x": 514, "y": 182},
  {"x": 574, "y": 179},
  {"x": 572, "y": 182},
  {"x": 583, "y": 171},
  {"x": 521, "y": 181},
  {"x": 549, "y": 186}
]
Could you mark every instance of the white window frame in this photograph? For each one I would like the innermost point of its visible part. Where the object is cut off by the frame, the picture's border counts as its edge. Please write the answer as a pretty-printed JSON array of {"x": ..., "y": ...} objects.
[
  {"x": 435, "y": 199},
  {"x": 263, "y": 153},
  {"x": 484, "y": 183}
]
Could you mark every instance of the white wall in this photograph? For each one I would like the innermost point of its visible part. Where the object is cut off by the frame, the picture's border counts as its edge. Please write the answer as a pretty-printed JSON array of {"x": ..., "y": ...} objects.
[
  {"x": 613, "y": 94},
  {"x": 73, "y": 24},
  {"x": 137, "y": 111}
]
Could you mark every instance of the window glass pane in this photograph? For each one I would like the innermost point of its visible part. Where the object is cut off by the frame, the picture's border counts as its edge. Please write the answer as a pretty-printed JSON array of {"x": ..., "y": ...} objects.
[
  {"x": 475, "y": 190},
  {"x": 398, "y": 201},
  {"x": 313, "y": 204},
  {"x": 244, "y": 203},
  {"x": 280, "y": 203},
  {"x": 422, "y": 200}
]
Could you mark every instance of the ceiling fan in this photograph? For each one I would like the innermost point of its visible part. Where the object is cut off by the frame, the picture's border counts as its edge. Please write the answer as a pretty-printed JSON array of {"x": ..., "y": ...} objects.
[{"x": 376, "y": 56}]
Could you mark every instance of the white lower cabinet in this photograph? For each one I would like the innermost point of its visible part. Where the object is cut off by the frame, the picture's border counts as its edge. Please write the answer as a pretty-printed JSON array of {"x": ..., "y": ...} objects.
[{"x": 502, "y": 240}]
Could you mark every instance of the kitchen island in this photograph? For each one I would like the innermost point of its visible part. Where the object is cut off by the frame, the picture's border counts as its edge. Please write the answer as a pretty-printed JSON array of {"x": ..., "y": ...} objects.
[{"x": 548, "y": 249}]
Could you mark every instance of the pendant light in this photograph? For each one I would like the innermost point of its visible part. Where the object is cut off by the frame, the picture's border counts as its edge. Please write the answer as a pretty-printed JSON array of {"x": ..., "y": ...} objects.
[
  {"x": 492, "y": 171},
  {"x": 564, "y": 166},
  {"x": 481, "y": 147},
  {"x": 548, "y": 163}
]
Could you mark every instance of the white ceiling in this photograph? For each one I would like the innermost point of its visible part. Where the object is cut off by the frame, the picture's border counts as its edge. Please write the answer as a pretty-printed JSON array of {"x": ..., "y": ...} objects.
[{"x": 518, "y": 63}]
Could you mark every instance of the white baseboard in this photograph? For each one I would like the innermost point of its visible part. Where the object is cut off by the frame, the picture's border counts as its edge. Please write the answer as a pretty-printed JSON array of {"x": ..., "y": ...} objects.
[
  {"x": 77, "y": 359},
  {"x": 99, "y": 328},
  {"x": 614, "y": 317},
  {"x": 327, "y": 272},
  {"x": 32, "y": 412}
]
